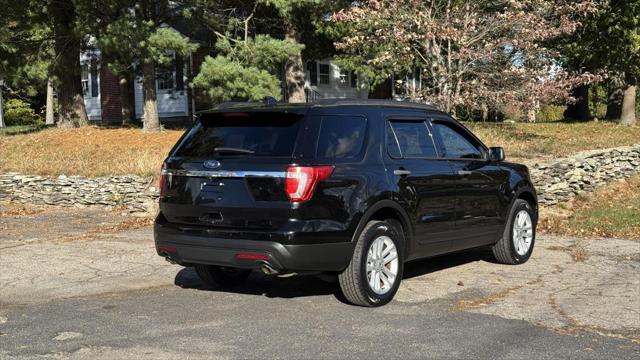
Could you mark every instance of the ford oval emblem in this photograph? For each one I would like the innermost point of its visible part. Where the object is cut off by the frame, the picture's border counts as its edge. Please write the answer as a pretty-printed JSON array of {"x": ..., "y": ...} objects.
[{"x": 212, "y": 164}]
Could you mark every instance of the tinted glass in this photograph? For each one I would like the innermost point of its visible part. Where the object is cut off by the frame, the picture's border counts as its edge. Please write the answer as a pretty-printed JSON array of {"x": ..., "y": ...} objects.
[
  {"x": 242, "y": 134},
  {"x": 455, "y": 143},
  {"x": 414, "y": 140},
  {"x": 341, "y": 137},
  {"x": 392, "y": 144}
]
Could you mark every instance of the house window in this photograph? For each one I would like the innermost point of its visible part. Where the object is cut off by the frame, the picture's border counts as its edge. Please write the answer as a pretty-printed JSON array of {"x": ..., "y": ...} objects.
[
  {"x": 171, "y": 77},
  {"x": 324, "y": 74},
  {"x": 165, "y": 79},
  {"x": 90, "y": 85},
  {"x": 85, "y": 80},
  {"x": 344, "y": 77}
]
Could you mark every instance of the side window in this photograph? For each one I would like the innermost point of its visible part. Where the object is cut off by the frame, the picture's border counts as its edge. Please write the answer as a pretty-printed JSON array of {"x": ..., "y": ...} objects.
[
  {"x": 455, "y": 143},
  {"x": 413, "y": 139},
  {"x": 341, "y": 137},
  {"x": 392, "y": 143}
]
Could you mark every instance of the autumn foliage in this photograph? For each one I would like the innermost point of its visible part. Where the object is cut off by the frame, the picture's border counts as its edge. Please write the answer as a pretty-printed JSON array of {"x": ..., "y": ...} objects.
[{"x": 480, "y": 55}]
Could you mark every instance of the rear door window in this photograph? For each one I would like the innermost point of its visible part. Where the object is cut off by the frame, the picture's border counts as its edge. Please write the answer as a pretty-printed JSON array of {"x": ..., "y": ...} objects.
[
  {"x": 341, "y": 137},
  {"x": 242, "y": 134},
  {"x": 413, "y": 140}
]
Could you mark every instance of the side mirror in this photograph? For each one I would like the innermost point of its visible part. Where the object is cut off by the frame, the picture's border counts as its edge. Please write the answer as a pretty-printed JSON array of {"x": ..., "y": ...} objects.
[{"x": 496, "y": 154}]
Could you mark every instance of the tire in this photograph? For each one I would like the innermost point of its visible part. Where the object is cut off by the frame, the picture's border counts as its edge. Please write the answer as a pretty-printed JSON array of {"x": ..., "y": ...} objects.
[
  {"x": 224, "y": 277},
  {"x": 354, "y": 281},
  {"x": 508, "y": 251}
]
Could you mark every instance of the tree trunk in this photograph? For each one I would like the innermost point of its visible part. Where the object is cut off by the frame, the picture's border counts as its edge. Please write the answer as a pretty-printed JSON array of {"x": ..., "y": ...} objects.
[
  {"x": 294, "y": 72},
  {"x": 485, "y": 112},
  {"x": 615, "y": 93},
  {"x": 127, "y": 98},
  {"x": 49, "y": 118},
  {"x": 150, "y": 117},
  {"x": 628, "y": 115},
  {"x": 580, "y": 109},
  {"x": 67, "y": 67},
  {"x": 532, "y": 111},
  {"x": 1, "y": 106}
]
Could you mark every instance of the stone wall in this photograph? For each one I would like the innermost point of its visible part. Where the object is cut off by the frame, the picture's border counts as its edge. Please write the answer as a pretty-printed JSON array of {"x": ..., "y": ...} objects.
[
  {"x": 560, "y": 180},
  {"x": 134, "y": 193},
  {"x": 556, "y": 181}
]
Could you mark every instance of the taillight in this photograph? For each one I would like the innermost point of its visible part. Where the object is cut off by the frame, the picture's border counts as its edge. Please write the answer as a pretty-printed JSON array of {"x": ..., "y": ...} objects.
[
  {"x": 162, "y": 179},
  {"x": 301, "y": 181}
]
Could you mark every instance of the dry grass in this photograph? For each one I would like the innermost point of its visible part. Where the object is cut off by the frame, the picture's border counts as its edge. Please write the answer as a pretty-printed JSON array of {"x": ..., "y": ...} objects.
[
  {"x": 93, "y": 151},
  {"x": 612, "y": 211},
  {"x": 88, "y": 151},
  {"x": 553, "y": 139}
]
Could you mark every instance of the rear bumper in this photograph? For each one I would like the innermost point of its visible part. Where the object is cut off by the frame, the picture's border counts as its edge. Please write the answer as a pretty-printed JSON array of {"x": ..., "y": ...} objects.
[{"x": 187, "y": 249}]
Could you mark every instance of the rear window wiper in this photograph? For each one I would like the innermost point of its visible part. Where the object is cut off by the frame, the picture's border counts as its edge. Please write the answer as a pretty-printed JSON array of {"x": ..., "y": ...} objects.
[{"x": 233, "y": 150}]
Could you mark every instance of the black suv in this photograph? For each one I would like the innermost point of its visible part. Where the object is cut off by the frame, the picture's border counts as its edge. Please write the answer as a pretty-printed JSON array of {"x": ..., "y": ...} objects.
[{"x": 354, "y": 188}]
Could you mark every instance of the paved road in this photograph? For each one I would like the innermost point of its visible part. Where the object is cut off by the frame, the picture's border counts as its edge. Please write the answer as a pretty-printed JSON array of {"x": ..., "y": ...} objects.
[
  {"x": 290, "y": 319},
  {"x": 95, "y": 290}
]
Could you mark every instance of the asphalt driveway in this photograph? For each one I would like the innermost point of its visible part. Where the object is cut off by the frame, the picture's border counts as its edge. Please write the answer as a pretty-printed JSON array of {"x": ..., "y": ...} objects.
[{"x": 87, "y": 284}]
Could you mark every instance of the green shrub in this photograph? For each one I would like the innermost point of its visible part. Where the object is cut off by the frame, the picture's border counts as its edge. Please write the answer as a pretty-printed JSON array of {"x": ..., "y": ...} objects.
[
  {"x": 18, "y": 112},
  {"x": 223, "y": 80},
  {"x": 549, "y": 113}
]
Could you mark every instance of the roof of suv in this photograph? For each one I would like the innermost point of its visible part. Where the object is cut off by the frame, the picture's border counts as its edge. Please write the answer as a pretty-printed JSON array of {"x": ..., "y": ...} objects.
[{"x": 321, "y": 103}]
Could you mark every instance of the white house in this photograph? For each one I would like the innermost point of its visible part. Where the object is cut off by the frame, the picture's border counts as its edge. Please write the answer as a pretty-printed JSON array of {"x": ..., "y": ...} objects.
[{"x": 102, "y": 90}]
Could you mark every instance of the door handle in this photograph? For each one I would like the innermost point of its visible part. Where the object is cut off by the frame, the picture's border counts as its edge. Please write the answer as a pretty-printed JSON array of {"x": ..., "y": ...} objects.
[
  {"x": 464, "y": 172},
  {"x": 401, "y": 172}
]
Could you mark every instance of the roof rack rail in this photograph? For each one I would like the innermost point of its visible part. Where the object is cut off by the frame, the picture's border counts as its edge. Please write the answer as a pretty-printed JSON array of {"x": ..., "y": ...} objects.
[
  {"x": 267, "y": 101},
  {"x": 236, "y": 104},
  {"x": 376, "y": 102}
]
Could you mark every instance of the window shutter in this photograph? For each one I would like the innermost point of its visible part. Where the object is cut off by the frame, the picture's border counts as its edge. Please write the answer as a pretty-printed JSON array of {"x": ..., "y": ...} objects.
[
  {"x": 95, "y": 90},
  {"x": 312, "y": 66},
  {"x": 179, "y": 73}
]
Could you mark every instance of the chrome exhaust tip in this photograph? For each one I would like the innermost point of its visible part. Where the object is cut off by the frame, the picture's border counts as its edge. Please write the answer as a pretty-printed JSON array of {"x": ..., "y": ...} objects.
[{"x": 268, "y": 270}]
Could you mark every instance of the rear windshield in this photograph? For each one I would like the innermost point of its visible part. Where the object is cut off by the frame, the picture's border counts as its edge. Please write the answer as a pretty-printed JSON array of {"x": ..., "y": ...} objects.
[{"x": 242, "y": 134}]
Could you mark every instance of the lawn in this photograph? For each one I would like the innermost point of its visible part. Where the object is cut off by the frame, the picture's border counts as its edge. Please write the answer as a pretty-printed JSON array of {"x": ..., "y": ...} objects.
[
  {"x": 612, "y": 211},
  {"x": 89, "y": 151},
  {"x": 19, "y": 129},
  {"x": 94, "y": 151},
  {"x": 553, "y": 139}
]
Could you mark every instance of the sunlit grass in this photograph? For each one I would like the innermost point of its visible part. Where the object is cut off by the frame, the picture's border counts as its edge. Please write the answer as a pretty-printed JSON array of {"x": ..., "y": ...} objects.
[
  {"x": 612, "y": 211},
  {"x": 553, "y": 139},
  {"x": 88, "y": 151}
]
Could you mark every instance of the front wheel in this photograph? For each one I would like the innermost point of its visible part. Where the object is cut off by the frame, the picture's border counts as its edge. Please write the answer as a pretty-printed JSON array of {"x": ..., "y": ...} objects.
[
  {"x": 374, "y": 274},
  {"x": 220, "y": 276},
  {"x": 516, "y": 244}
]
